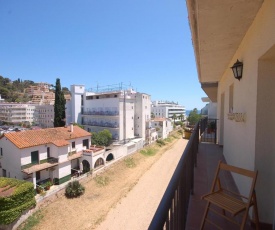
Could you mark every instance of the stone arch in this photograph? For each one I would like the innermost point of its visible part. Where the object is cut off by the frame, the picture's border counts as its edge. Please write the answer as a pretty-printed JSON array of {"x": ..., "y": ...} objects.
[
  {"x": 99, "y": 162},
  {"x": 110, "y": 157}
]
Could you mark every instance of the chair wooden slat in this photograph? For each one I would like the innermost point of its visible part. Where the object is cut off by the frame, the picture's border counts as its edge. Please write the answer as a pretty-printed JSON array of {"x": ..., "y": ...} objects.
[{"x": 231, "y": 201}]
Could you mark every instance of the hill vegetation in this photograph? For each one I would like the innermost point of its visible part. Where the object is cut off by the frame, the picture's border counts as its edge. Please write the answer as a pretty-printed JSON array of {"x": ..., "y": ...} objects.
[{"x": 14, "y": 91}]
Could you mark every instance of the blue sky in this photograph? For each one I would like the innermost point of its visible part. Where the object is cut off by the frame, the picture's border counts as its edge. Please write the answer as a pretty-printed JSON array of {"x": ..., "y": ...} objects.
[{"x": 145, "y": 43}]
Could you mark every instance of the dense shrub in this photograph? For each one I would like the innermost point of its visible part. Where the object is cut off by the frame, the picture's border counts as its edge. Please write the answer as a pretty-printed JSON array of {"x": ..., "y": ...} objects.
[
  {"x": 102, "y": 138},
  {"x": 160, "y": 142},
  {"x": 180, "y": 131},
  {"x": 21, "y": 199},
  {"x": 74, "y": 189},
  {"x": 148, "y": 151}
]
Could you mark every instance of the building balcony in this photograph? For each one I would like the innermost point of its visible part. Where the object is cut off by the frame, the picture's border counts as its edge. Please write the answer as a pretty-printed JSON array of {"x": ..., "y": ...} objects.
[
  {"x": 208, "y": 157},
  {"x": 101, "y": 113},
  {"x": 43, "y": 164},
  {"x": 74, "y": 155},
  {"x": 181, "y": 206},
  {"x": 102, "y": 124}
]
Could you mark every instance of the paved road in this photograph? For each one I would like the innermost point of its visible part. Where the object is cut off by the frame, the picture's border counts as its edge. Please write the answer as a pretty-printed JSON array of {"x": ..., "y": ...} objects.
[{"x": 136, "y": 210}]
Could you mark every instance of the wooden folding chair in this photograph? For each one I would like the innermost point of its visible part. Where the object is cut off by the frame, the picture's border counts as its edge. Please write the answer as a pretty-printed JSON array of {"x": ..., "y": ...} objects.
[{"x": 230, "y": 201}]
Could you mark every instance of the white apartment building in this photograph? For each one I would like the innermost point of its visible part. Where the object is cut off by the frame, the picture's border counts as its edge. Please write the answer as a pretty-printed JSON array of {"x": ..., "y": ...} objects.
[
  {"x": 163, "y": 126},
  {"x": 17, "y": 113},
  {"x": 44, "y": 116},
  {"x": 166, "y": 109},
  {"x": 126, "y": 113},
  {"x": 210, "y": 109}
]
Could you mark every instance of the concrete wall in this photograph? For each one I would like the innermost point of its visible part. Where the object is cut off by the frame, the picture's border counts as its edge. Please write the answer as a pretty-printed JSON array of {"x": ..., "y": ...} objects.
[
  {"x": 10, "y": 160},
  {"x": 77, "y": 91},
  {"x": 142, "y": 113},
  {"x": 212, "y": 110},
  {"x": 249, "y": 144},
  {"x": 64, "y": 169}
]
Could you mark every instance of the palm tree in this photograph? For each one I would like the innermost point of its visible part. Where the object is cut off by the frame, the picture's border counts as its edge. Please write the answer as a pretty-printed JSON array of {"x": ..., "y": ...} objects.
[
  {"x": 174, "y": 117},
  {"x": 181, "y": 117}
]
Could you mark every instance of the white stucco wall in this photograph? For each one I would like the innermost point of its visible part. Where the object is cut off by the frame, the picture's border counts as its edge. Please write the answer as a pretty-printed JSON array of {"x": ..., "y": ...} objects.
[
  {"x": 77, "y": 91},
  {"x": 64, "y": 169},
  {"x": 142, "y": 113},
  {"x": 241, "y": 146},
  {"x": 10, "y": 160},
  {"x": 212, "y": 110}
]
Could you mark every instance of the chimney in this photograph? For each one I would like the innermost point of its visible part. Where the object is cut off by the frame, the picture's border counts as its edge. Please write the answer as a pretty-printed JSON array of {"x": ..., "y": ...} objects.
[{"x": 71, "y": 127}]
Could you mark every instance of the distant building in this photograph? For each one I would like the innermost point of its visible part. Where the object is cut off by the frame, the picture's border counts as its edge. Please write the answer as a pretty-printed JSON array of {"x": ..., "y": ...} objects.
[
  {"x": 125, "y": 112},
  {"x": 39, "y": 111},
  {"x": 166, "y": 109},
  {"x": 210, "y": 109},
  {"x": 44, "y": 116},
  {"x": 17, "y": 113},
  {"x": 163, "y": 126}
]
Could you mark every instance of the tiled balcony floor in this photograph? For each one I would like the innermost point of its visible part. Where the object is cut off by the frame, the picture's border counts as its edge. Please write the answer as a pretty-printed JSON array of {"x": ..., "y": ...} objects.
[{"x": 207, "y": 161}]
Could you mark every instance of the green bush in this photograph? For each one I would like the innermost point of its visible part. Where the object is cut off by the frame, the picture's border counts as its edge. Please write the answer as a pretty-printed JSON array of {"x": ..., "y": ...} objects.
[
  {"x": 32, "y": 221},
  {"x": 130, "y": 162},
  {"x": 180, "y": 131},
  {"x": 102, "y": 138},
  {"x": 102, "y": 180},
  {"x": 148, "y": 151},
  {"x": 168, "y": 139},
  {"x": 21, "y": 199},
  {"x": 74, "y": 189},
  {"x": 160, "y": 142}
]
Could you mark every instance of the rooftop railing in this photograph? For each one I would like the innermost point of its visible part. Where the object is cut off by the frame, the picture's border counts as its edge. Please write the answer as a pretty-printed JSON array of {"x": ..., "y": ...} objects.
[{"x": 172, "y": 210}]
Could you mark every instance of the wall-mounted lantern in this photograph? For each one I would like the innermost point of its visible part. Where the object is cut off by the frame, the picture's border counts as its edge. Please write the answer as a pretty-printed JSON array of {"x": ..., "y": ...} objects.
[{"x": 237, "y": 69}]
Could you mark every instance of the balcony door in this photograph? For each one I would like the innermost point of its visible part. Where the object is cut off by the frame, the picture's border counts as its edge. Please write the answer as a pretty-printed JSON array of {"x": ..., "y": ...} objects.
[
  {"x": 86, "y": 143},
  {"x": 34, "y": 157},
  {"x": 48, "y": 152}
]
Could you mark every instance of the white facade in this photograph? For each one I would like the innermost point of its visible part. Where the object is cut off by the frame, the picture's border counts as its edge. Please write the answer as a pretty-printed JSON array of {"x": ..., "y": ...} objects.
[
  {"x": 16, "y": 112},
  {"x": 210, "y": 109},
  {"x": 163, "y": 127},
  {"x": 44, "y": 116},
  {"x": 77, "y": 92},
  {"x": 123, "y": 112},
  {"x": 166, "y": 109},
  {"x": 142, "y": 115},
  {"x": 249, "y": 36},
  {"x": 45, "y": 154}
]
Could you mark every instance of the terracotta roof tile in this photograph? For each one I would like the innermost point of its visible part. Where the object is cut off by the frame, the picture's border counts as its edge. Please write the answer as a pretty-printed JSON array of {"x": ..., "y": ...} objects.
[{"x": 57, "y": 136}]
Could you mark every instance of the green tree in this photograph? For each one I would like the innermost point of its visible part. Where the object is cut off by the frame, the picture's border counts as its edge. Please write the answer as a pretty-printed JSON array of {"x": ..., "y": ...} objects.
[
  {"x": 174, "y": 117},
  {"x": 4, "y": 92},
  {"x": 59, "y": 105},
  {"x": 181, "y": 117},
  {"x": 193, "y": 117},
  {"x": 102, "y": 138}
]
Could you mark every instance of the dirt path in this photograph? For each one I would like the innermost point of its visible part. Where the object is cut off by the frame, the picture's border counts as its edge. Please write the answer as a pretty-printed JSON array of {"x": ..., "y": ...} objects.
[
  {"x": 137, "y": 209},
  {"x": 107, "y": 193}
]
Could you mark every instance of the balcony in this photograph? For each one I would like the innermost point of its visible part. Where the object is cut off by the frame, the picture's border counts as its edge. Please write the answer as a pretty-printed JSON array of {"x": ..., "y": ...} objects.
[
  {"x": 101, "y": 113},
  {"x": 43, "y": 164},
  {"x": 107, "y": 124},
  {"x": 181, "y": 206}
]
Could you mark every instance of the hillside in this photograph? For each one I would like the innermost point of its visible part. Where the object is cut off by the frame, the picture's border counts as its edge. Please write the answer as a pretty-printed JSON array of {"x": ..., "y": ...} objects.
[{"x": 15, "y": 91}]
